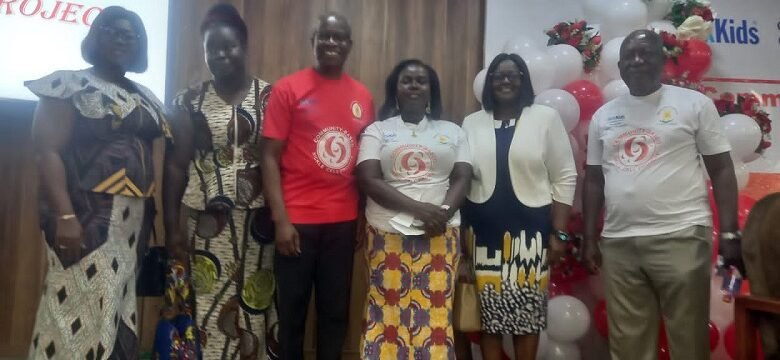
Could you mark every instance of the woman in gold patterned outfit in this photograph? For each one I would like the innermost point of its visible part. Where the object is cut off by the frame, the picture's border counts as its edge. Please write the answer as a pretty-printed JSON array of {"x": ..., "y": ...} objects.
[{"x": 212, "y": 169}]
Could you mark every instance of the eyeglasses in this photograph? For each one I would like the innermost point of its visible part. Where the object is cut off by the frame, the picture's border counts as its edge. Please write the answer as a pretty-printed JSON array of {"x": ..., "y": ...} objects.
[
  {"x": 513, "y": 77},
  {"x": 121, "y": 34}
]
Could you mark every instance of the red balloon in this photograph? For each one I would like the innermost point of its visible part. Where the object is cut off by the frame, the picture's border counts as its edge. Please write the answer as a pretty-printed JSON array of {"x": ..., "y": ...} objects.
[
  {"x": 745, "y": 288},
  {"x": 663, "y": 342},
  {"x": 696, "y": 59},
  {"x": 473, "y": 337},
  {"x": 745, "y": 203},
  {"x": 730, "y": 340},
  {"x": 558, "y": 288},
  {"x": 600, "y": 318},
  {"x": 588, "y": 96},
  {"x": 714, "y": 335},
  {"x": 715, "y": 244},
  {"x": 671, "y": 70},
  {"x": 713, "y": 207},
  {"x": 663, "y": 353}
]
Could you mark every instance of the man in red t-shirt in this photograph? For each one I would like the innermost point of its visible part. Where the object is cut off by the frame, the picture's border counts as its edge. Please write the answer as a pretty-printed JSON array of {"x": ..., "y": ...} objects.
[{"x": 310, "y": 145}]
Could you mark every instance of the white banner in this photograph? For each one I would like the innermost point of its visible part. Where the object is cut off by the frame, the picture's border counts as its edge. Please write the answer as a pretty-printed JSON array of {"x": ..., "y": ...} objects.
[{"x": 41, "y": 36}]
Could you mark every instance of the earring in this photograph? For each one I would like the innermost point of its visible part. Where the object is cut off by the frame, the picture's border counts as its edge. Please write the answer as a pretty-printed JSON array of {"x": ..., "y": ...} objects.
[
  {"x": 397, "y": 107},
  {"x": 428, "y": 108}
]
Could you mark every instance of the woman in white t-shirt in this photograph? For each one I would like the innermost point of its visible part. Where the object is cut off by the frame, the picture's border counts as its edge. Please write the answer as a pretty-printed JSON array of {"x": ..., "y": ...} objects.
[
  {"x": 415, "y": 170},
  {"x": 518, "y": 206}
]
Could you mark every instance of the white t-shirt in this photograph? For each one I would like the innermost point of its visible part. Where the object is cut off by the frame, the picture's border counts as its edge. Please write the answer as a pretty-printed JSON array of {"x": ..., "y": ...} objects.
[
  {"x": 416, "y": 159},
  {"x": 649, "y": 149}
]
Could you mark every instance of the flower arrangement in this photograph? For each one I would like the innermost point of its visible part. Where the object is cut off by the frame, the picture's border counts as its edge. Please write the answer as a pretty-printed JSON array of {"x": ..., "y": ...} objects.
[
  {"x": 673, "y": 47},
  {"x": 582, "y": 37},
  {"x": 683, "y": 9},
  {"x": 747, "y": 104}
]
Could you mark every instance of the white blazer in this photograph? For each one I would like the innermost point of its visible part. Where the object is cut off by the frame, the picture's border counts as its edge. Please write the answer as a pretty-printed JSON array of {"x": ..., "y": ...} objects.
[{"x": 541, "y": 164}]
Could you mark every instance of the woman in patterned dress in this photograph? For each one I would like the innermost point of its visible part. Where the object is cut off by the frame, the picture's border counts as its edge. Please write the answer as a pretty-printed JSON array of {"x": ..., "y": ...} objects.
[
  {"x": 518, "y": 206},
  {"x": 93, "y": 130},
  {"x": 213, "y": 170},
  {"x": 415, "y": 170}
]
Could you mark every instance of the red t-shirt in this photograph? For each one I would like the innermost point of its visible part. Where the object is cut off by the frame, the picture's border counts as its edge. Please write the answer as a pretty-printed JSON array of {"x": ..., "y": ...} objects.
[{"x": 320, "y": 120}]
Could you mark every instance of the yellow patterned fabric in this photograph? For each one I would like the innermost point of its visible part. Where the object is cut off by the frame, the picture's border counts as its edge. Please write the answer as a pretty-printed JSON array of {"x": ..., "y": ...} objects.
[{"x": 409, "y": 303}]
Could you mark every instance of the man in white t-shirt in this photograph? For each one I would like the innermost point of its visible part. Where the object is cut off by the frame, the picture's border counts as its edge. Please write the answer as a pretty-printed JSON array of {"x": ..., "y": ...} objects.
[{"x": 643, "y": 166}]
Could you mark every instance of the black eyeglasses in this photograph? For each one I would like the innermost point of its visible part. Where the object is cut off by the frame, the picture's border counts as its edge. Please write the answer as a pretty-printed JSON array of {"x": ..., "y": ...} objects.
[
  {"x": 510, "y": 76},
  {"x": 122, "y": 34}
]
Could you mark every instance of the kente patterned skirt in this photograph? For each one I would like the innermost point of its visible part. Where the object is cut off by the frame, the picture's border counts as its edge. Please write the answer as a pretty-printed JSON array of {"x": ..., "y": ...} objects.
[
  {"x": 232, "y": 276},
  {"x": 88, "y": 309},
  {"x": 411, "y": 288}
]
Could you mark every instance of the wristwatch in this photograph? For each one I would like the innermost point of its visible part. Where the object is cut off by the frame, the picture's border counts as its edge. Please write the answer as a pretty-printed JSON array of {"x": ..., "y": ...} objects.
[
  {"x": 562, "y": 235},
  {"x": 729, "y": 235}
]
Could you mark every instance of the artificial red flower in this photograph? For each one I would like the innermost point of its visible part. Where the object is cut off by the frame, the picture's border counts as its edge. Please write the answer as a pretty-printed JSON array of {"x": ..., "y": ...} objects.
[
  {"x": 596, "y": 40},
  {"x": 704, "y": 12}
]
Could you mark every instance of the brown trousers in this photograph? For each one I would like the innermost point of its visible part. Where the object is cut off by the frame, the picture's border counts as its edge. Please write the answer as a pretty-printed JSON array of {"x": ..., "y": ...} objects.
[{"x": 650, "y": 277}]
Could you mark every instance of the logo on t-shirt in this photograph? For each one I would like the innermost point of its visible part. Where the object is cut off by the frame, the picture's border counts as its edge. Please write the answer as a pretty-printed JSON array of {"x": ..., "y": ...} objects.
[
  {"x": 636, "y": 148},
  {"x": 667, "y": 114},
  {"x": 334, "y": 149},
  {"x": 357, "y": 111},
  {"x": 413, "y": 162}
]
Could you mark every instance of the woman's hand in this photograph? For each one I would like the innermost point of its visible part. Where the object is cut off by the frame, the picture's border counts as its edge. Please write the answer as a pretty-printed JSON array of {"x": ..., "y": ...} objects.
[
  {"x": 433, "y": 217},
  {"x": 556, "y": 252},
  {"x": 68, "y": 239}
]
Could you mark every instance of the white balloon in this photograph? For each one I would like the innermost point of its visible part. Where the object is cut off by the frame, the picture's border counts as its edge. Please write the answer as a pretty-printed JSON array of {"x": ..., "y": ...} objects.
[
  {"x": 662, "y": 25},
  {"x": 541, "y": 69},
  {"x": 623, "y": 17},
  {"x": 752, "y": 157},
  {"x": 479, "y": 84},
  {"x": 610, "y": 55},
  {"x": 564, "y": 102},
  {"x": 522, "y": 45},
  {"x": 594, "y": 10},
  {"x": 657, "y": 9},
  {"x": 743, "y": 133},
  {"x": 567, "y": 62},
  {"x": 568, "y": 319},
  {"x": 742, "y": 174},
  {"x": 541, "y": 348},
  {"x": 562, "y": 351},
  {"x": 614, "y": 89}
]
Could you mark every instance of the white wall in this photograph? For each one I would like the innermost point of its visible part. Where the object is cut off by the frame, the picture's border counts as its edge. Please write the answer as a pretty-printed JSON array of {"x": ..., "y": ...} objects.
[{"x": 33, "y": 46}]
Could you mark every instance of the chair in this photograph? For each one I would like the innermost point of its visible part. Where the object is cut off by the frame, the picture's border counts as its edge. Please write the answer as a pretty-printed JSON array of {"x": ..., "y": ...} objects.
[{"x": 747, "y": 312}]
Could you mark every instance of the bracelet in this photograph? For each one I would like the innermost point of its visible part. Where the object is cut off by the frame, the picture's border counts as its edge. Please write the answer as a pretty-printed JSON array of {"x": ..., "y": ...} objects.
[{"x": 67, "y": 217}]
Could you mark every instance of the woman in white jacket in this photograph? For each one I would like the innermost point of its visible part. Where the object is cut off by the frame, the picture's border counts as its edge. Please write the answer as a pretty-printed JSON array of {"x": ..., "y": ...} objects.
[{"x": 518, "y": 205}]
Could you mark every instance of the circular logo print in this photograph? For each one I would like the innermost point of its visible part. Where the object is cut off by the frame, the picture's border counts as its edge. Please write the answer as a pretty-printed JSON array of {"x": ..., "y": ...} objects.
[
  {"x": 413, "y": 162},
  {"x": 637, "y": 148},
  {"x": 334, "y": 148},
  {"x": 357, "y": 111}
]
